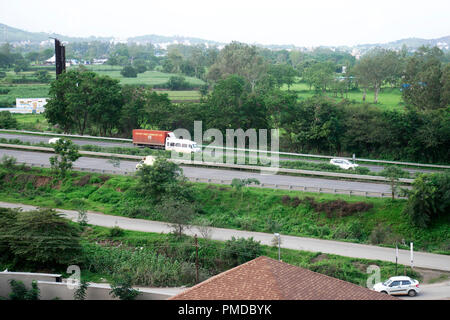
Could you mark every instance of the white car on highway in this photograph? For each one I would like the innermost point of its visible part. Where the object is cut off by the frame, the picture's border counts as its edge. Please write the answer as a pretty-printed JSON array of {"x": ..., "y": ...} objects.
[
  {"x": 148, "y": 161},
  {"x": 343, "y": 163},
  {"x": 398, "y": 286},
  {"x": 53, "y": 140}
]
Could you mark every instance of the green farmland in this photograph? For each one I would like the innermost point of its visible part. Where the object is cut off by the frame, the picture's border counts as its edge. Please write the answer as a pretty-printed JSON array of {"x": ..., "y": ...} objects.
[{"x": 388, "y": 98}]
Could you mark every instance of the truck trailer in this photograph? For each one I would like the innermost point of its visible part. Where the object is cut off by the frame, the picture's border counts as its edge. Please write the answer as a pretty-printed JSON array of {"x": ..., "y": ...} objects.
[
  {"x": 163, "y": 140},
  {"x": 151, "y": 138}
]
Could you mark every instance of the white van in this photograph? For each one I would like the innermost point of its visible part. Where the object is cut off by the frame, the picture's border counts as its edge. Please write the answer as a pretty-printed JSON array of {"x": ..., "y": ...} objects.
[
  {"x": 182, "y": 145},
  {"x": 148, "y": 161}
]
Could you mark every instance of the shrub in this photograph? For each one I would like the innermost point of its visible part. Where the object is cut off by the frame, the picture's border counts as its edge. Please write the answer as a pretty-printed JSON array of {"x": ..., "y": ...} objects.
[
  {"x": 241, "y": 250},
  {"x": 8, "y": 162},
  {"x": 380, "y": 234},
  {"x": 429, "y": 199},
  {"x": 129, "y": 72},
  {"x": 121, "y": 288},
  {"x": 19, "y": 292},
  {"x": 7, "y": 121},
  {"x": 116, "y": 231}
]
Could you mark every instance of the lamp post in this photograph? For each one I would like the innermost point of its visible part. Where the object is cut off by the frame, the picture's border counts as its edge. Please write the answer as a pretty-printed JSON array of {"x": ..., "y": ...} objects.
[{"x": 279, "y": 242}]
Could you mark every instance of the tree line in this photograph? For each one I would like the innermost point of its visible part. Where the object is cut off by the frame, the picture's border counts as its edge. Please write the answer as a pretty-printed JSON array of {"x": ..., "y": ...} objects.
[{"x": 85, "y": 102}]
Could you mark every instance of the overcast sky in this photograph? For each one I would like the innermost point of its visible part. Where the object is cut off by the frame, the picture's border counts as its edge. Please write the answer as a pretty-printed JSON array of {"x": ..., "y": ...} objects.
[{"x": 303, "y": 23}]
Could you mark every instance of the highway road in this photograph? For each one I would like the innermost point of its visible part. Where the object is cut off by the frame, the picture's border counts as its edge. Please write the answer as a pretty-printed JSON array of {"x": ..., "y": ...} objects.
[
  {"x": 38, "y": 139},
  {"x": 198, "y": 172}
]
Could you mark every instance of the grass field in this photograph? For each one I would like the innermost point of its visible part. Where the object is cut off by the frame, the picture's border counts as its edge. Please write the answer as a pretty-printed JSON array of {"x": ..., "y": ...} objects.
[
  {"x": 388, "y": 98},
  {"x": 38, "y": 90},
  {"x": 146, "y": 78}
]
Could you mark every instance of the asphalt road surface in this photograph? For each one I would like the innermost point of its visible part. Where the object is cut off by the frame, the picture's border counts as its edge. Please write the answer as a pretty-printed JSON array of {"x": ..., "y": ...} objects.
[
  {"x": 198, "y": 172},
  {"x": 37, "y": 139},
  {"x": 436, "y": 291}
]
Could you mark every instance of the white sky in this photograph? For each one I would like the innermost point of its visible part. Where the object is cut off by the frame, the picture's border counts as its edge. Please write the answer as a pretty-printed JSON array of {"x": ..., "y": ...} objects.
[{"x": 303, "y": 23}]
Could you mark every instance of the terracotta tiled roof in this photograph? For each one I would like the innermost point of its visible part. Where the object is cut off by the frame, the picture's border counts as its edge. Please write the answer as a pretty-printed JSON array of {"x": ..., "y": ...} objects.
[{"x": 267, "y": 279}]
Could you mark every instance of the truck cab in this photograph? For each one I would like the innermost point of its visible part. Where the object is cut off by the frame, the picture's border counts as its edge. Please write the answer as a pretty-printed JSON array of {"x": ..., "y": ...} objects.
[{"x": 182, "y": 145}]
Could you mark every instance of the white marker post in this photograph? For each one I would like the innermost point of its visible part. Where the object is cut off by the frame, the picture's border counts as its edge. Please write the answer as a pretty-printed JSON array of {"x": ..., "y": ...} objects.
[
  {"x": 396, "y": 258},
  {"x": 412, "y": 256}
]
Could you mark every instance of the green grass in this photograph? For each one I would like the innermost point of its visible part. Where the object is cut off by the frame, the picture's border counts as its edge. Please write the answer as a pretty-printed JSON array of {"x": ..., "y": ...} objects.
[
  {"x": 388, "y": 98},
  {"x": 22, "y": 91},
  {"x": 254, "y": 209},
  {"x": 146, "y": 78}
]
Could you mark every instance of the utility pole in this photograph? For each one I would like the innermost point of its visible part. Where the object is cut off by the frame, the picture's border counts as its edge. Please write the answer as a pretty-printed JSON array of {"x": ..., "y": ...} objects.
[{"x": 196, "y": 258}]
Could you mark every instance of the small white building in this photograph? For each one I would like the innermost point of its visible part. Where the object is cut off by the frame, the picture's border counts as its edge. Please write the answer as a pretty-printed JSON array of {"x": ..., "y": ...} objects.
[{"x": 30, "y": 105}]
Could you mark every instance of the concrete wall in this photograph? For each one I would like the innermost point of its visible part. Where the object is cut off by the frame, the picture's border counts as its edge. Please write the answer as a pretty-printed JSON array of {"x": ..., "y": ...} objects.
[
  {"x": 26, "y": 278},
  {"x": 51, "y": 287}
]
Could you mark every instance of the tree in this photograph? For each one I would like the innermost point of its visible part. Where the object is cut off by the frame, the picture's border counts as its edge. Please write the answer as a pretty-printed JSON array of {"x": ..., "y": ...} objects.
[
  {"x": 42, "y": 238},
  {"x": 375, "y": 67},
  {"x": 66, "y": 153},
  {"x": 81, "y": 100},
  {"x": 239, "y": 59},
  {"x": 283, "y": 74},
  {"x": 422, "y": 84},
  {"x": 392, "y": 173},
  {"x": 160, "y": 179},
  {"x": 231, "y": 105},
  {"x": 429, "y": 199},
  {"x": 179, "y": 213},
  {"x": 129, "y": 72},
  {"x": 320, "y": 75}
]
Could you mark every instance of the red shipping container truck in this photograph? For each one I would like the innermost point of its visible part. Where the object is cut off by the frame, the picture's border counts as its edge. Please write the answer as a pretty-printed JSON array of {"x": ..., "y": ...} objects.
[{"x": 151, "y": 138}]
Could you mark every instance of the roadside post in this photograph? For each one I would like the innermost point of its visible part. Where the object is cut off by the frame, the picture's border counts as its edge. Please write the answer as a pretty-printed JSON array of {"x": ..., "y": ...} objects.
[
  {"x": 279, "y": 243},
  {"x": 412, "y": 256},
  {"x": 396, "y": 258}
]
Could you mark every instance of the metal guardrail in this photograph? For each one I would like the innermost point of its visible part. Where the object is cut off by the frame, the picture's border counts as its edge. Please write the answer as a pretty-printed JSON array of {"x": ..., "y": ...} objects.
[
  {"x": 222, "y": 165},
  {"x": 228, "y": 182},
  {"x": 240, "y": 149}
]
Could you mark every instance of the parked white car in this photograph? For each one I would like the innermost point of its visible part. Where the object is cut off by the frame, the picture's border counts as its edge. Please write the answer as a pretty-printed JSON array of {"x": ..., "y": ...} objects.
[
  {"x": 53, "y": 140},
  {"x": 148, "y": 161},
  {"x": 343, "y": 163},
  {"x": 398, "y": 286}
]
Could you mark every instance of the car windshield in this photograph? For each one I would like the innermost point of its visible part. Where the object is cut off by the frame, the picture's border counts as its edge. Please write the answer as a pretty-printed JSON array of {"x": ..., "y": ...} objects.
[{"x": 386, "y": 283}]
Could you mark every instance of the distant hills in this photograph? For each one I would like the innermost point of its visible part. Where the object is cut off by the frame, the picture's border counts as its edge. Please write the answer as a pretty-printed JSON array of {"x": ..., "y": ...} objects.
[
  {"x": 20, "y": 37},
  {"x": 14, "y": 35}
]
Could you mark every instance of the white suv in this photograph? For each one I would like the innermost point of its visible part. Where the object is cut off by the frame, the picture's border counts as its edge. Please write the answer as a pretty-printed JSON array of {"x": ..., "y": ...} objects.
[
  {"x": 343, "y": 164},
  {"x": 398, "y": 286}
]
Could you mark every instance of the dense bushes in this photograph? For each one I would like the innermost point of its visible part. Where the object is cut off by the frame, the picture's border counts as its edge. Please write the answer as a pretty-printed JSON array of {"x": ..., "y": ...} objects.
[
  {"x": 429, "y": 199},
  {"x": 334, "y": 208},
  {"x": 7, "y": 121}
]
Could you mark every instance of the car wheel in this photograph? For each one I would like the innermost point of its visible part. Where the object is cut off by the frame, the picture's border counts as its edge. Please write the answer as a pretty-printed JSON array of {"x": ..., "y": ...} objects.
[
  {"x": 384, "y": 292},
  {"x": 412, "y": 293}
]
